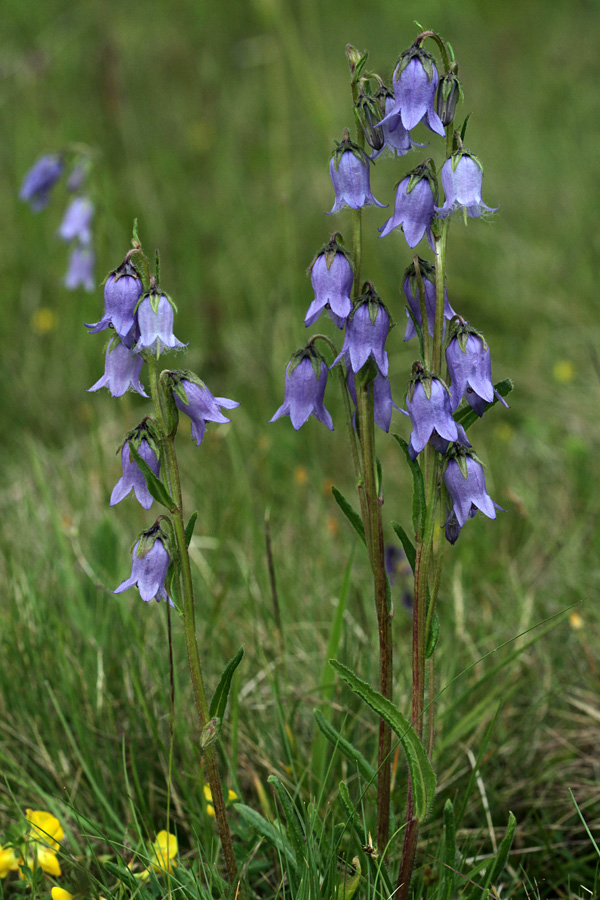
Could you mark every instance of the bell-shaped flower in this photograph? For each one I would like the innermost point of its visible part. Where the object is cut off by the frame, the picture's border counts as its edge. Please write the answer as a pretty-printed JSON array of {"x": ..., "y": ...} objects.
[
  {"x": 150, "y": 564},
  {"x": 305, "y": 382},
  {"x": 331, "y": 276},
  {"x": 77, "y": 221},
  {"x": 462, "y": 178},
  {"x": 122, "y": 369},
  {"x": 414, "y": 207},
  {"x": 133, "y": 478},
  {"x": 382, "y": 399},
  {"x": 349, "y": 171},
  {"x": 415, "y": 82},
  {"x": 366, "y": 333},
  {"x": 428, "y": 405},
  {"x": 465, "y": 482},
  {"x": 470, "y": 369},
  {"x": 411, "y": 292},
  {"x": 155, "y": 321},
  {"x": 40, "y": 179},
  {"x": 80, "y": 270},
  {"x": 194, "y": 399},
  {"x": 122, "y": 291},
  {"x": 396, "y": 139}
]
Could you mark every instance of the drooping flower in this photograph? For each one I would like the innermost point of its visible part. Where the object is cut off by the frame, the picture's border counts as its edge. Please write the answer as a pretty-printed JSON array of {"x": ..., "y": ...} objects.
[
  {"x": 465, "y": 482},
  {"x": 448, "y": 94},
  {"x": 396, "y": 139},
  {"x": 155, "y": 321},
  {"x": 305, "y": 382},
  {"x": 470, "y": 368},
  {"x": 40, "y": 179},
  {"x": 77, "y": 221},
  {"x": 414, "y": 207},
  {"x": 80, "y": 270},
  {"x": 366, "y": 332},
  {"x": 428, "y": 405},
  {"x": 122, "y": 291},
  {"x": 331, "y": 276},
  {"x": 122, "y": 369},
  {"x": 349, "y": 171},
  {"x": 10, "y": 861},
  {"x": 132, "y": 478},
  {"x": 150, "y": 564},
  {"x": 163, "y": 852},
  {"x": 415, "y": 82},
  {"x": 462, "y": 177},
  {"x": 194, "y": 399},
  {"x": 411, "y": 292},
  {"x": 382, "y": 399}
]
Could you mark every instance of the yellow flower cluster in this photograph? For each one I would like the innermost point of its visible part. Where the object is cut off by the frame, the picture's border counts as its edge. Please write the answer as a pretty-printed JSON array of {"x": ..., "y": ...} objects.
[
  {"x": 231, "y": 796},
  {"x": 38, "y": 848}
]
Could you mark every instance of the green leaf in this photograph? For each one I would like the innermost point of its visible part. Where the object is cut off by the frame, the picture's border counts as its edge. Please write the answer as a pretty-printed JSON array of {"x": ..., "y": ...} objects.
[
  {"x": 466, "y": 416},
  {"x": 218, "y": 704},
  {"x": 350, "y": 513},
  {"x": 494, "y": 871},
  {"x": 349, "y": 881},
  {"x": 189, "y": 528},
  {"x": 450, "y": 850},
  {"x": 418, "y": 505},
  {"x": 154, "y": 484},
  {"x": 432, "y": 637},
  {"x": 271, "y": 834},
  {"x": 409, "y": 547},
  {"x": 294, "y": 831},
  {"x": 349, "y": 750},
  {"x": 421, "y": 773}
]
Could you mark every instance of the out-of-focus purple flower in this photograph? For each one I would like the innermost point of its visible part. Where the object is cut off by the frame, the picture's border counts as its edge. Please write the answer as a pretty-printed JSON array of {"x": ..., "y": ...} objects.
[
  {"x": 194, "y": 399},
  {"x": 465, "y": 483},
  {"x": 80, "y": 270},
  {"x": 122, "y": 369},
  {"x": 349, "y": 170},
  {"x": 396, "y": 139},
  {"x": 414, "y": 208},
  {"x": 149, "y": 571},
  {"x": 305, "y": 382},
  {"x": 132, "y": 478},
  {"x": 415, "y": 83},
  {"x": 77, "y": 177},
  {"x": 331, "y": 277},
  {"x": 77, "y": 220},
  {"x": 366, "y": 332},
  {"x": 411, "y": 292},
  {"x": 428, "y": 405},
  {"x": 470, "y": 369},
  {"x": 155, "y": 321},
  {"x": 382, "y": 399},
  {"x": 122, "y": 291},
  {"x": 462, "y": 177},
  {"x": 40, "y": 179}
]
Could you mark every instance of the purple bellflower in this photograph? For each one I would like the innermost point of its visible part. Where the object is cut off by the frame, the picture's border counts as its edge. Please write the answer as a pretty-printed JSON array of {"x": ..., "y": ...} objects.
[
  {"x": 465, "y": 482},
  {"x": 382, "y": 399},
  {"x": 80, "y": 270},
  {"x": 428, "y": 405},
  {"x": 411, "y": 292},
  {"x": 331, "y": 277},
  {"x": 77, "y": 176},
  {"x": 155, "y": 320},
  {"x": 462, "y": 177},
  {"x": 77, "y": 221},
  {"x": 396, "y": 139},
  {"x": 441, "y": 445},
  {"x": 415, "y": 83},
  {"x": 40, "y": 179},
  {"x": 414, "y": 208},
  {"x": 349, "y": 170},
  {"x": 122, "y": 369},
  {"x": 366, "y": 333},
  {"x": 194, "y": 399},
  {"x": 470, "y": 369},
  {"x": 148, "y": 571},
  {"x": 305, "y": 382},
  {"x": 132, "y": 478},
  {"x": 122, "y": 291}
]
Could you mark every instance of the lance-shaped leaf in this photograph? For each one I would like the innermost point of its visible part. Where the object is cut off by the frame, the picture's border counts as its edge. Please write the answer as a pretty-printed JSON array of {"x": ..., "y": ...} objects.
[
  {"x": 418, "y": 505},
  {"x": 353, "y": 755},
  {"x": 294, "y": 830},
  {"x": 218, "y": 704},
  {"x": 350, "y": 513},
  {"x": 154, "y": 484}
]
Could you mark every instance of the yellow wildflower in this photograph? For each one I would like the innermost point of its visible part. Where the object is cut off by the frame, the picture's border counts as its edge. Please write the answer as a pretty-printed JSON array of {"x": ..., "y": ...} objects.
[
  {"x": 576, "y": 621},
  {"x": 45, "y": 832},
  {"x": 59, "y": 893},
  {"x": 231, "y": 796},
  {"x": 163, "y": 851},
  {"x": 9, "y": 861},
  {"x": 564, "y": 371}
]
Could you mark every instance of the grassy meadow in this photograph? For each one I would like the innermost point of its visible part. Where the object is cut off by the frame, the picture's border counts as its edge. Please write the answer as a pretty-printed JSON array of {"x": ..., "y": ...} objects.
[{"x": 213, "y": 125}]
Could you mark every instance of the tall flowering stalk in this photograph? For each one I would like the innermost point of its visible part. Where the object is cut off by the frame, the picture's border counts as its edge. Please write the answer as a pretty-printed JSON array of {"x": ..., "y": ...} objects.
[
  {"x": 453, "y": 366},
  {"x": 140, "y": 317}
]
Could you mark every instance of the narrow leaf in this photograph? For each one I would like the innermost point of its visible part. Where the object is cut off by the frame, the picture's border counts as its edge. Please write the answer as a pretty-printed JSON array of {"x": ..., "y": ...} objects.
[
  {"x": 494, "y": 871},
  {"x": 418, "y": 505},
  {"x": 466, "y": 416},
  {"x": 294, "y": 831},
  {"x": 432, "y": 637},
  {"x": 350, "y": 513},
  {"x": 268, "y": 831},
  {"x": 349, "y": 750},
  {"x": 450, "y": 850},
  {"x": 218, "y": 704},
  {"x": 421, "y": 773},
  {"x": 154, "y": 484},
  {"x": 189, "y": 528},
  {"x": 409, "y": 547}
]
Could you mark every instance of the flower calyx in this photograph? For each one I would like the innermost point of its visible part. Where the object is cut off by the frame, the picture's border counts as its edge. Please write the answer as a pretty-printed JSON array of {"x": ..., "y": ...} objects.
[
  {"x": 329, "y": 250},
  {"x": 449, "y": 92},
  {"x": 348, "y": 146},
  {"x": 460, "y": 329}
]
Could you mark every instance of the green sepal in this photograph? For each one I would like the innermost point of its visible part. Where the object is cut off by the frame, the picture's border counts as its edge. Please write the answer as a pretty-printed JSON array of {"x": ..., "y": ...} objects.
[
  {"x": 421, "y": 772},
  {"x": 294, "y": 832},
  {"x": 353, "y": 755},
  {"x": 434, "y": 633},
  {"x": 210, "y": 733},
  {"x": 189, "y": 528},
  {"x": 466, "y": 416},
  {"x": 409, "y": 547},
  {"x": 418, "y": 505},
  {"x": 218, "y": 704},
  {"x": 154, "y": 484},
  {"x": 350, "y": 513}
]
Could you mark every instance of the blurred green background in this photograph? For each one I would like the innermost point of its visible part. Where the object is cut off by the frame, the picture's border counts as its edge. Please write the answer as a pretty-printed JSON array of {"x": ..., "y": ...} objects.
[{"x": 214, "y": 124}]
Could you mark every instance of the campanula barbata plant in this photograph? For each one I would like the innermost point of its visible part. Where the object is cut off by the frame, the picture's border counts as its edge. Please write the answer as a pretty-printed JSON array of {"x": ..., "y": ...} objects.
[{"x": 450, "y": 385}]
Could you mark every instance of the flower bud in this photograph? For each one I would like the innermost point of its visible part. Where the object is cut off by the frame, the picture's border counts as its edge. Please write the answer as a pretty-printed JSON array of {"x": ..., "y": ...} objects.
[{"x": 448, "y": 92}]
